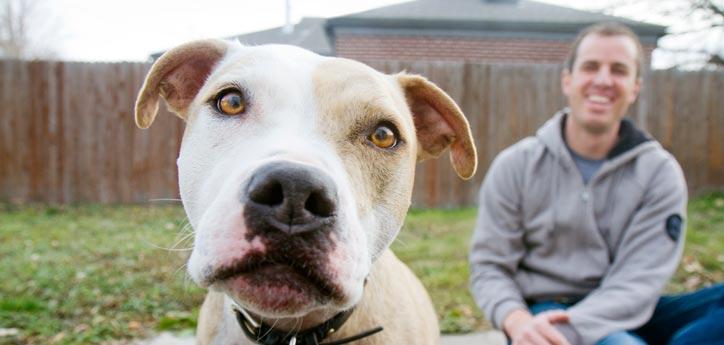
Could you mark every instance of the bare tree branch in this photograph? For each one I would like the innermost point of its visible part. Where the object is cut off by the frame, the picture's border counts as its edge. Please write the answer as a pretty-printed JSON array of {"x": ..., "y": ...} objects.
[
  {"x": 687, "y": 17},
  {"x": 20, "y": 24},
  {"x": 696, "y": 30},
  {"x": 716, "y": 60},
  {"x": 714, "y": 8}
]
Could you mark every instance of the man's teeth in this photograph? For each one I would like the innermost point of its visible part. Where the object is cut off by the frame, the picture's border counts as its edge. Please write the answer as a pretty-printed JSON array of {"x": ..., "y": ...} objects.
[{"x": 598, "y": 99}]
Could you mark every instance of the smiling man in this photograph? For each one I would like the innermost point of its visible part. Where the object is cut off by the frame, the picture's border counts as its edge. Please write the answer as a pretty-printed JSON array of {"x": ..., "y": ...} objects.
[{"x": 580, "y": 227}]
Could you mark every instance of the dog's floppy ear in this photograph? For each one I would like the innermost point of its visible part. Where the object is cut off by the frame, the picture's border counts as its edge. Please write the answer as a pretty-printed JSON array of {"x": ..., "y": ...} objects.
[
  {"x": 439, "y": 123},
  {"x": 177, "y": 76}
]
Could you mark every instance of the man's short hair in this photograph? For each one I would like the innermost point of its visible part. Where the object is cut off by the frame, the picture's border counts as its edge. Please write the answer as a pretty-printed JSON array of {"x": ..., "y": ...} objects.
[{"x": 606, "y": 29}]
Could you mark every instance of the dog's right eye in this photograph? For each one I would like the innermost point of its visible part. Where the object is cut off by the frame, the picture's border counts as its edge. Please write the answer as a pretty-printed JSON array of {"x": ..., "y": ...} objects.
[
  {"x": 383, "y": 137},
  {"x": 230, "y": 103}
]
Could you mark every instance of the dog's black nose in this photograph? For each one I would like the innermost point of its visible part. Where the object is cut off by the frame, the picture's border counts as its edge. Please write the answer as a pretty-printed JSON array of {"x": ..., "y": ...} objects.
[{"x": 289, "y": 197}]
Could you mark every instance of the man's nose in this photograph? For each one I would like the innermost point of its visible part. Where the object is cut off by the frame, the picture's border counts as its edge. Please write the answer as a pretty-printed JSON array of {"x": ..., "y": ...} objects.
[{"x": 603, "y": 77}]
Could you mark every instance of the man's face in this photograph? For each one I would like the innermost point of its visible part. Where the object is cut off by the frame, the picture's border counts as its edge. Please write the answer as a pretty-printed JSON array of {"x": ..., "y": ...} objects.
[{"x": 602, "y": 83}]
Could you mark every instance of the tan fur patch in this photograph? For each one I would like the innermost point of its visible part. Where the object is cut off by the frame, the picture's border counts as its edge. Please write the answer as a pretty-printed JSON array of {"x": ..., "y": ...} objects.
[{"x": 352, "y": 99}]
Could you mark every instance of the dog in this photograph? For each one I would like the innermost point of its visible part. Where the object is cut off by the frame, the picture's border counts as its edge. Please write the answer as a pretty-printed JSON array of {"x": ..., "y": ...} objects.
[{"x": 296, "y": 172}]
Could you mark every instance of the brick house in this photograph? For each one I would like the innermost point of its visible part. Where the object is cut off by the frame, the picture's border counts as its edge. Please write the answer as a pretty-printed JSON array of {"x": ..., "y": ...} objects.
[{"x": 472, "y": 30}]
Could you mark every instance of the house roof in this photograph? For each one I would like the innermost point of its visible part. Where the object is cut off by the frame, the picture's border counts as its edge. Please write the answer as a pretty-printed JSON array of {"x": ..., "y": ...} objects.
[
  {"x": 522, "y": 18},
  {"x": 308, "y": 33},
  {"x": 485, "y": 15}
]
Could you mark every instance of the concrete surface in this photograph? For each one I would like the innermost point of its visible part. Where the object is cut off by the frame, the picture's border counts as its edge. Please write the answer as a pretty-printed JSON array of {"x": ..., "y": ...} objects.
[{"x": 478, "y": 338}]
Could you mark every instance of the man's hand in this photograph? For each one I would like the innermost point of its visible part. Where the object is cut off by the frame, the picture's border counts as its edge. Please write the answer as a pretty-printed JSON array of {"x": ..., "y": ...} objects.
[{"x": 524, "y": 328}]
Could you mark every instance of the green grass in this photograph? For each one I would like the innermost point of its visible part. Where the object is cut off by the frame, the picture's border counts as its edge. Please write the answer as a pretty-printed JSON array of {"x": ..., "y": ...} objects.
[
  {"x": 434, "y": 243},
  {"x": 81, "y": 275},
  {"x": 703, "y": 261},
  {"x": 88, "y": 274}
]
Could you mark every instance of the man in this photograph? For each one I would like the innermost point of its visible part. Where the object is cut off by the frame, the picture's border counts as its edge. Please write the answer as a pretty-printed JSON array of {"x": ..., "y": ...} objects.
[{"x": 580, "y": 227}]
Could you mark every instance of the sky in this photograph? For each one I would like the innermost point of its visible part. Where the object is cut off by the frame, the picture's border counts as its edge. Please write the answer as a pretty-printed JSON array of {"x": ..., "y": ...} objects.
[{"x": 130, "y": 30}]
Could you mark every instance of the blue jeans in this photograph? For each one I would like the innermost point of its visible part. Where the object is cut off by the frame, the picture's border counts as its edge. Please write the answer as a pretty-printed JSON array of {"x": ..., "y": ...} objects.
[{"x": 690, "y": 318}]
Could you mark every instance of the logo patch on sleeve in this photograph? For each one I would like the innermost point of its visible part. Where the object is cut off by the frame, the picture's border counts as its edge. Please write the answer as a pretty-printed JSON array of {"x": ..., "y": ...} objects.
[{"x": 673, "y": 227}]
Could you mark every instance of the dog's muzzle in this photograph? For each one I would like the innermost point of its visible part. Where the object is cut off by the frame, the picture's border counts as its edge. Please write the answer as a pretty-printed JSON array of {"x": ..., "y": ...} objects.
[{"x": 291, "y": 198}]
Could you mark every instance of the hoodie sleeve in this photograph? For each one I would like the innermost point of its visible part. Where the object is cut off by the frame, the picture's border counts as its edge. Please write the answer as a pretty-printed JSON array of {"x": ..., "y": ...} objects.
[
  {"x": 645, "y": 260},
  {"x": 497, "y": 243}
]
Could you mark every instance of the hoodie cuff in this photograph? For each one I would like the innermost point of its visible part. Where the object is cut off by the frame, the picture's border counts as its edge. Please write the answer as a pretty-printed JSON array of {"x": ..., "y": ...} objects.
[
  {"x": 568, "y": 331},
  {"x": 501, "y": 311}
]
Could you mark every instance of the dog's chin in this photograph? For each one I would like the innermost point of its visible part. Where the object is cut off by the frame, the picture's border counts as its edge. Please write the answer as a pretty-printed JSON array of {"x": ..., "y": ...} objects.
[{"x": 281, "y": 291}]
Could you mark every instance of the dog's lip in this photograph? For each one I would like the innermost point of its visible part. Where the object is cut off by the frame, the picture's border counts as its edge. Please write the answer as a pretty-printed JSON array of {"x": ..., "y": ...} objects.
[
  {"x": 255, "y": 268},
  {"x": 273, "y": 290},
  {"x": 279, "y": 289}
]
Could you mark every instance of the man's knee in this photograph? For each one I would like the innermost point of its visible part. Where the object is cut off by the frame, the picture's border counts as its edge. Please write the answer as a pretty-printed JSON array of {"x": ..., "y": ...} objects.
[
  {"x": 706, "y": 330},
  {"x": 621, "y": 338}
]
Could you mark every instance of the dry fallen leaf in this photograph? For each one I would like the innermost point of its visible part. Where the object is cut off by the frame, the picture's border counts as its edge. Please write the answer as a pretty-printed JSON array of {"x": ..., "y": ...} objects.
[
  {"x": 134, "y": 325},
  {"x": 57, "y": 338},
  {"x": 80, "y": 328},
  {"x": 693, "y": 282},
  {"x": 692, "y": 265}
]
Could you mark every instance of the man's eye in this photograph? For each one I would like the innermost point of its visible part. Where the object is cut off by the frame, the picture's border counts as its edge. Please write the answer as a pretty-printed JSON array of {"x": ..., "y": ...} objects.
[
  {"x": 589, "y": 67},
  {"x": 620, "y": 70}
]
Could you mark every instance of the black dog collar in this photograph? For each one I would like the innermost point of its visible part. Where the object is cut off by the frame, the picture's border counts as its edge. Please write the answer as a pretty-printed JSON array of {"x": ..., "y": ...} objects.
[{"x": 263, "y": 334}]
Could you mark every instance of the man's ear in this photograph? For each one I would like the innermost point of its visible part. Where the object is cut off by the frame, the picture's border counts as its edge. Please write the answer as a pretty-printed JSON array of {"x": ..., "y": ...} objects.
[
  {"x": 565, "y": 81},
  {"x": 177, "y": 76},
  {"x": 636, "y": 89},
  {"x": 439, "y": 123}
]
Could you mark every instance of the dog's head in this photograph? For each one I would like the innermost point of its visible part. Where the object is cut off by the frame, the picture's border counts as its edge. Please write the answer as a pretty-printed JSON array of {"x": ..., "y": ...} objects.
[{"x": 296, "y": 170}]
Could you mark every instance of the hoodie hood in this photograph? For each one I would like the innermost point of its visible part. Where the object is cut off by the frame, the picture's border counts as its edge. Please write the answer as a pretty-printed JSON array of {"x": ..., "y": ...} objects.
[{"x": 631, "y": 141}]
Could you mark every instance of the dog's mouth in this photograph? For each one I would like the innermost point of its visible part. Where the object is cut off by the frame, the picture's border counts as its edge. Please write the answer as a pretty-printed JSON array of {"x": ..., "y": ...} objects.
[{"x": 277, "y": 285}]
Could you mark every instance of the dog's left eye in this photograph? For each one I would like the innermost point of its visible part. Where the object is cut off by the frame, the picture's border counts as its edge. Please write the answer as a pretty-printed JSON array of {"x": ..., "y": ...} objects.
[
  {"x": 230, "y": 102},
  {"x": 383, "y": 137}
]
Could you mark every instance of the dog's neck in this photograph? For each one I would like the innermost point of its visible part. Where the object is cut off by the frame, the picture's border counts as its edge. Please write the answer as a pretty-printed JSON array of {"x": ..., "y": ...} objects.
[{"x": 296, "y": 324}]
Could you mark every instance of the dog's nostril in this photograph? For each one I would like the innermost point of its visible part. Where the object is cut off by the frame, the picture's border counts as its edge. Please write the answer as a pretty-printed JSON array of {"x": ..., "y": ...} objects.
[
  {"x": 319, "y": 204},
  {"x": 270, "y": 193},
  {"x": 289, "y": 197}
]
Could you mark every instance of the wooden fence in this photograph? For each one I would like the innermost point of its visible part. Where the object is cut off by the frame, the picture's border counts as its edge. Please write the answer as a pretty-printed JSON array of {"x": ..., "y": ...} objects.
[{"x": 67, "y": 133}]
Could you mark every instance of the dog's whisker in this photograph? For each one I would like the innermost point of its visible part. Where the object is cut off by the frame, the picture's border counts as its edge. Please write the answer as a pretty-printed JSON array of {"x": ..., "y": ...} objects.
[
  {"x": 271, "y": 327},
  {"x": 177, "y": 248},
  {"x": 187, "y": 281},
  {"x": 164, "y": 199},
  {"x": 169, "y": 249},
  {"x": 186, "y": 227},
  {"x": 401, "y": 242},
  {"x": 183, "y": 239},
  {"x": 180, "y": 269},
  {"x": 297, "y": 324}
]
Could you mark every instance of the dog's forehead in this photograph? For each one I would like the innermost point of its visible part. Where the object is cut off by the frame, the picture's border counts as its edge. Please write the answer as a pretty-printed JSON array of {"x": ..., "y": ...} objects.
[
  {"x": 344, "y": 87},
  {"x": 272, "y": 60},
  {"x": 350, "y": 79}
]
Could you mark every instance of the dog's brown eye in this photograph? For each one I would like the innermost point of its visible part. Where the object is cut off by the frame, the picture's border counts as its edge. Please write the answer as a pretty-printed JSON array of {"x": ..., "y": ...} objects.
[
  {"x": 230, "y": 103},
  {"x": 383, "y": 137}
]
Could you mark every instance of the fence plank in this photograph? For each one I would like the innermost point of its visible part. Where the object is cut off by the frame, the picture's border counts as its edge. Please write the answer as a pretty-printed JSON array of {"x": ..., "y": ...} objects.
[{"x": 67, "y": 133}]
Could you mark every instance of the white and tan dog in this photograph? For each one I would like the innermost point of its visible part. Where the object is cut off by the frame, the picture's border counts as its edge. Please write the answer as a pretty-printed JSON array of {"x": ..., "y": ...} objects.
[{"x": 296, "y": 172}]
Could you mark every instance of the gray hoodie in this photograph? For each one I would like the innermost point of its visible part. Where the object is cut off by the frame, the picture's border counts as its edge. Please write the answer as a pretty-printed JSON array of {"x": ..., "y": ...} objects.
[{"x": 613, "y": 243}]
